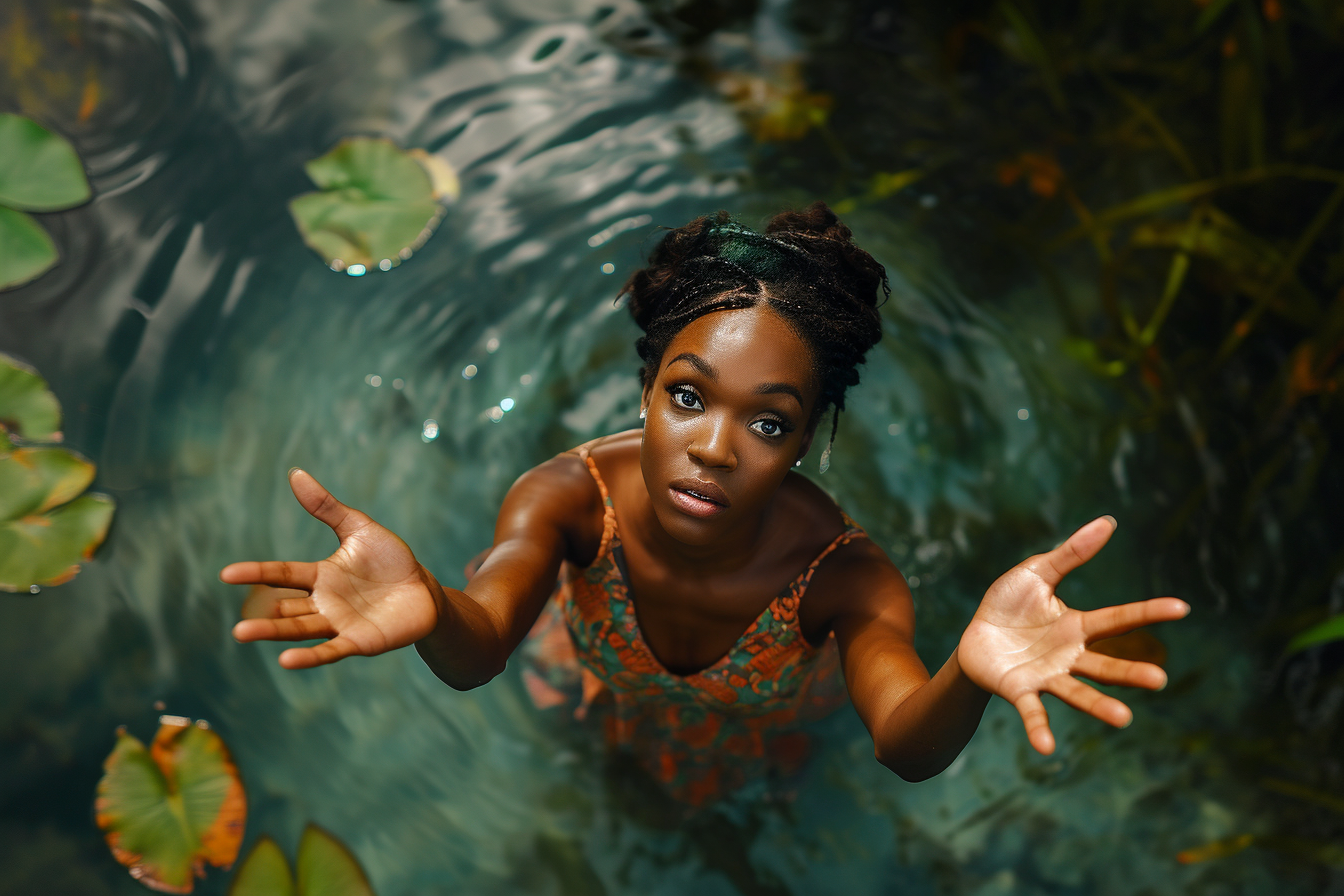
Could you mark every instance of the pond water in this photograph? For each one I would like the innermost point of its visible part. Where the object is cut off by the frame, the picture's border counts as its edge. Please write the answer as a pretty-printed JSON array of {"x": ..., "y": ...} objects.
[{"x": 200, "y": 350}]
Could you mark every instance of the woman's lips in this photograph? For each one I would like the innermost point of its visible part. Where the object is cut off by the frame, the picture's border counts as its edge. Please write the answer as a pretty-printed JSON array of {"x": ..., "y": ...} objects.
[{"x": 698, "y": 498}]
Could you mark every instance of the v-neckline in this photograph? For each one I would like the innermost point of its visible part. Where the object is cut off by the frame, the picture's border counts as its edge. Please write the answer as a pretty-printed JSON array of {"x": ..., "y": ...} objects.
[{"x": 617, "y": 552}]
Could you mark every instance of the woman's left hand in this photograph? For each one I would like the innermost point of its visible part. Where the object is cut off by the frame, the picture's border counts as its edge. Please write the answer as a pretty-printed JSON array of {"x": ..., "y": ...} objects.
[{"x": 1024, "y": 641}]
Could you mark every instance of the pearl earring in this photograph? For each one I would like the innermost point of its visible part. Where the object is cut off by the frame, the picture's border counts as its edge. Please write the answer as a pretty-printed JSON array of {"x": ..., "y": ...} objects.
[
  {"x": 798, "y": 462},
  {"x": 643, "y": 413}
]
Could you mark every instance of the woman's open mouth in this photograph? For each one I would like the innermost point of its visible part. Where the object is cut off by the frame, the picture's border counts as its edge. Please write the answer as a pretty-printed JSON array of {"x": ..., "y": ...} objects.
[{"x": 698, "y": 498}]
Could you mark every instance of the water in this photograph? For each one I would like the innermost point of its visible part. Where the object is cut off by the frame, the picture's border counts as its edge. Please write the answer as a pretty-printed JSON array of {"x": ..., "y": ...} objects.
[{"x": 200, "y": 350}]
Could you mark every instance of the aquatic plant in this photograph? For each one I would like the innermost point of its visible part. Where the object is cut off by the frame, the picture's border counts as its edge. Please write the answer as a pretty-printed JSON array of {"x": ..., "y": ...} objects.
[
  {"x": 325, "y": 867},
  {"x": 377, "y": 203},
  {"x": 170, "y": 810},
  {"x": 40, "y": 173},
  {"x": 46, "y": 525}
]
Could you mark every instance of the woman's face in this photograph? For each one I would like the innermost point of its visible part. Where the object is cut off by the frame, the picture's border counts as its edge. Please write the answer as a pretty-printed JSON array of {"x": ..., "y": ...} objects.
[{"x": 728, "y": 415}]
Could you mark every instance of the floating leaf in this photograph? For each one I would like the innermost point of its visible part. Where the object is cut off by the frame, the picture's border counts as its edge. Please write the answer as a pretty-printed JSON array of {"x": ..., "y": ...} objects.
[
  {"x": 41, "y": 541},
  {"x": 377, "y": 204},
  {"x": 264, "y": 872},
  {"x": 26, "y": 251},
  {"x": 26, "y": 406},
  {"x": 325, "y": 868},
  {"x": 170, "y": 810},
  {"x": 42, "y": 172}
]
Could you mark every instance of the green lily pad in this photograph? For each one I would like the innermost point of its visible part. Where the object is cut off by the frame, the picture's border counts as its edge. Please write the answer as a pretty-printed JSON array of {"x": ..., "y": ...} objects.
[
  {"x": 377, "y": 205},
  {"x": 170, "y": 810},
  {"x": 264, "y": 872},
  {"x": 26, "y": 251},
  {"x": 34, "y": 480},
  {"x": 42, "y": 172},
  {"x": 325, "y": 868},
  {"x": 26, "y": 406}
]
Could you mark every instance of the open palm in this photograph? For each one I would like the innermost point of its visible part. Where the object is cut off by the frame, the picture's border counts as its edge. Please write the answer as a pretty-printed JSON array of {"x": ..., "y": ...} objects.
[
  {"x": 369, "y": 597},
  {"x": 1024, "y": 641}
]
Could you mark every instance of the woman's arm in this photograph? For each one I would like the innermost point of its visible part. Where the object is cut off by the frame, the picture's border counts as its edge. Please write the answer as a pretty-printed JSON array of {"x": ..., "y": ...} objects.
[
  {"x": 918, "y": 725},
  {"x": 546, "y": 517},
  {"x": 1022, "y": 642}
]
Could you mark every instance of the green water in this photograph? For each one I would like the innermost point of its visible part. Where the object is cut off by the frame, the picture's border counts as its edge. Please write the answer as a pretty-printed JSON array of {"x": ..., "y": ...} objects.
[{"x": 200, "y": 350}]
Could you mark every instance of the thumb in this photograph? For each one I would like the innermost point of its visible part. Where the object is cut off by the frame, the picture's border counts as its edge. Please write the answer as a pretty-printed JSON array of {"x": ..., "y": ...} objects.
[{"x": 323, "y": 506}]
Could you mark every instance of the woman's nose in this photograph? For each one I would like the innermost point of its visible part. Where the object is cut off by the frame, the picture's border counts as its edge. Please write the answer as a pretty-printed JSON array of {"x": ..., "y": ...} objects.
[{"x": 711, "y": 445}]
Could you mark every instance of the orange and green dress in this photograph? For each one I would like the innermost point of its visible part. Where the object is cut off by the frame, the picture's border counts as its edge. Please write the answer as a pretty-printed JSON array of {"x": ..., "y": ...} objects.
[{"x": 702, "y": 735}]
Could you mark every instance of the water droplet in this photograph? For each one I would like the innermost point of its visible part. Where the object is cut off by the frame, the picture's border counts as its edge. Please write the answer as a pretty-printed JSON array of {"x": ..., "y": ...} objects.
[
  {"x": 430, "y": 430},
  {"x": 398, "y": 383},
  {"x": 608, "y": 268},
  {"x": 506, "y": 404},
  {"x": 374, "y": 380},
  {"x": 34, "y": 589},
  {"x": 492, "y": 344},
  {"x": 525, "y": 379},
  {"x": 495, "y": 414},
  {"x": 385, "y": 264},
  {"x": 913, "y": 581},
  {"x": 356, "y": 270},
  {"x": 1023, "y": 413},
  {"x": 469, "y": 371},
  {"x": 894, "y": 429}
]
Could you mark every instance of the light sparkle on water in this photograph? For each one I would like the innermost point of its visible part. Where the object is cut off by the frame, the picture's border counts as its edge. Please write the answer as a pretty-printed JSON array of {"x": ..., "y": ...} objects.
[
  {"x": 506, "y": 405},
  {"x": 429, "y": 431},
  {"x": 469, "y": 371},
  {"x": 1023, "y": 413}
]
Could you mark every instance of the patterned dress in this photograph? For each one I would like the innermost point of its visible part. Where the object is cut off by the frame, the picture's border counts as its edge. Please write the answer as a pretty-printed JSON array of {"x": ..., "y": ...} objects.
[{"x": 702, "y": 735}]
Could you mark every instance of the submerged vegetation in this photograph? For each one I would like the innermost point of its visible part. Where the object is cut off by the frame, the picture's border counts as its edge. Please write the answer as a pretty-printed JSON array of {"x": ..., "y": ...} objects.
[{"x": 1169, "y": 176}]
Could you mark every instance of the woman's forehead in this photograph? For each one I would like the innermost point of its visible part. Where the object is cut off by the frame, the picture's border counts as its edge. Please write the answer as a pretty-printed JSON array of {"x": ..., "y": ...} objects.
[{"x": 745, "y": 345}]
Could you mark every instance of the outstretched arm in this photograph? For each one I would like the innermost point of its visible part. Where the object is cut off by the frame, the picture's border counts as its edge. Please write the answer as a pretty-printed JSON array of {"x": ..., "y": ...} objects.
[
  {"x": 371, "y": 595},
  {"x": 1022, "y": 642}
]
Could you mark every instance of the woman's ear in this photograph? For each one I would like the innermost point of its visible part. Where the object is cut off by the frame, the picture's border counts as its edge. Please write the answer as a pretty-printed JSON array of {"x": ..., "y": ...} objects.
[{"x": 645, "y": 397}]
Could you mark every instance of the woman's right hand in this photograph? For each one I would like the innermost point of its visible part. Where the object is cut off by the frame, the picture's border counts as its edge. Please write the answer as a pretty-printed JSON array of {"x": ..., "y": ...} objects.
[{"x": 367, "y": 598}]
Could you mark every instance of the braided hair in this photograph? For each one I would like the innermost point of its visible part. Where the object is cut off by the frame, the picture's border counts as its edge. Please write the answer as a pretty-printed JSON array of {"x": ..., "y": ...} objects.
[{"x": 805, "y": 267}]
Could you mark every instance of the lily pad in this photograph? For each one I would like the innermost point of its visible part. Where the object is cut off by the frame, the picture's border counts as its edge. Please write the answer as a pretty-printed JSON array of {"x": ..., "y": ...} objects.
[
  {"x": 26, "y": 406},
  {"x": 377, "y": 205},
  {"x": 264, "y": 872},
  {"x": 46, "y": 528},
  {"x": 171, "y": 810},
  {"x": 27, "y": 252},
  {"x": 325, "y": 868},
  {"x": 42, "y": 171}
]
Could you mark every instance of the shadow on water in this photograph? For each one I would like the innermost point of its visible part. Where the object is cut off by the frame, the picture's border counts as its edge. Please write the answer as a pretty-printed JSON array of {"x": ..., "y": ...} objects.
[{"x": 200, "y": 350}]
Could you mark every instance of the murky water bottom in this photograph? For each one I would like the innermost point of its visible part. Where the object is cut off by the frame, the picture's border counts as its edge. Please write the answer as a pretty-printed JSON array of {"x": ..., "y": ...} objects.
[{"x": 200, "y": 350}]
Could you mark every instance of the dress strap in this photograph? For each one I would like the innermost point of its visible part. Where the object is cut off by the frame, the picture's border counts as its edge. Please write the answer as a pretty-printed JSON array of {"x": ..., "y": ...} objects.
[
  {"x": 852, "y": 531},
  {"x": 608, "y": 511}
]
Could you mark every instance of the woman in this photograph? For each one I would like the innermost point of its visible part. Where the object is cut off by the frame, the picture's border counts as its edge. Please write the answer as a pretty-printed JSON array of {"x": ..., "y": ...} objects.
[{"x": 707, "y": 591}]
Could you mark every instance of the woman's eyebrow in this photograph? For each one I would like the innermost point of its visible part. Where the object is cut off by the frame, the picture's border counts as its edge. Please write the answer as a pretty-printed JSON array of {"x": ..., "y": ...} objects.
[
  {"x": 700, "y": 364},
  {"x": 780, "y": 389}
]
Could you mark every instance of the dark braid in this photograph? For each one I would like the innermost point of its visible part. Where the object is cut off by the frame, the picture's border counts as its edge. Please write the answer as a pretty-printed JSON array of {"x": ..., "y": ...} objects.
[{"x": 805, "y": 267}]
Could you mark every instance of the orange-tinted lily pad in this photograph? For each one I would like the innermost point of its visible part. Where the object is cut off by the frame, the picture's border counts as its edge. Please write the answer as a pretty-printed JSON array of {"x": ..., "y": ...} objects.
[{"x": 172, "y": 809}]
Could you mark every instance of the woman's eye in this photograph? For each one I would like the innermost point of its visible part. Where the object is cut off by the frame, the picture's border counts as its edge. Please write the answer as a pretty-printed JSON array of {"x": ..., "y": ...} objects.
[
  {"x": 685, "y": 398},
  {"x": 768, "y": 427}
]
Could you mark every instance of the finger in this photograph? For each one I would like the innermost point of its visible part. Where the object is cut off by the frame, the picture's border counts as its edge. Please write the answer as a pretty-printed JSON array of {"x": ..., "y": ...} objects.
[
  {"x": 1111, "y": 621},
  {"x": 1077, "y": 549},
  {"x": 1090, "y": 700},
  {"x": 1109, "y": 670},
  {"x": 1036, "y": 721},
  {"x": 322, "y": 505},
  {"x": 280, "y": 573},
  {"x": 337, "y": 648},
  {"x": 302, "y": 628}
]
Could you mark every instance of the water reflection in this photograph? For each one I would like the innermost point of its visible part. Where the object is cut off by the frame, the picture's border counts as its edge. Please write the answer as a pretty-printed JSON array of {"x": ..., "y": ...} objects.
[{"x": 208, "y": 351}]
